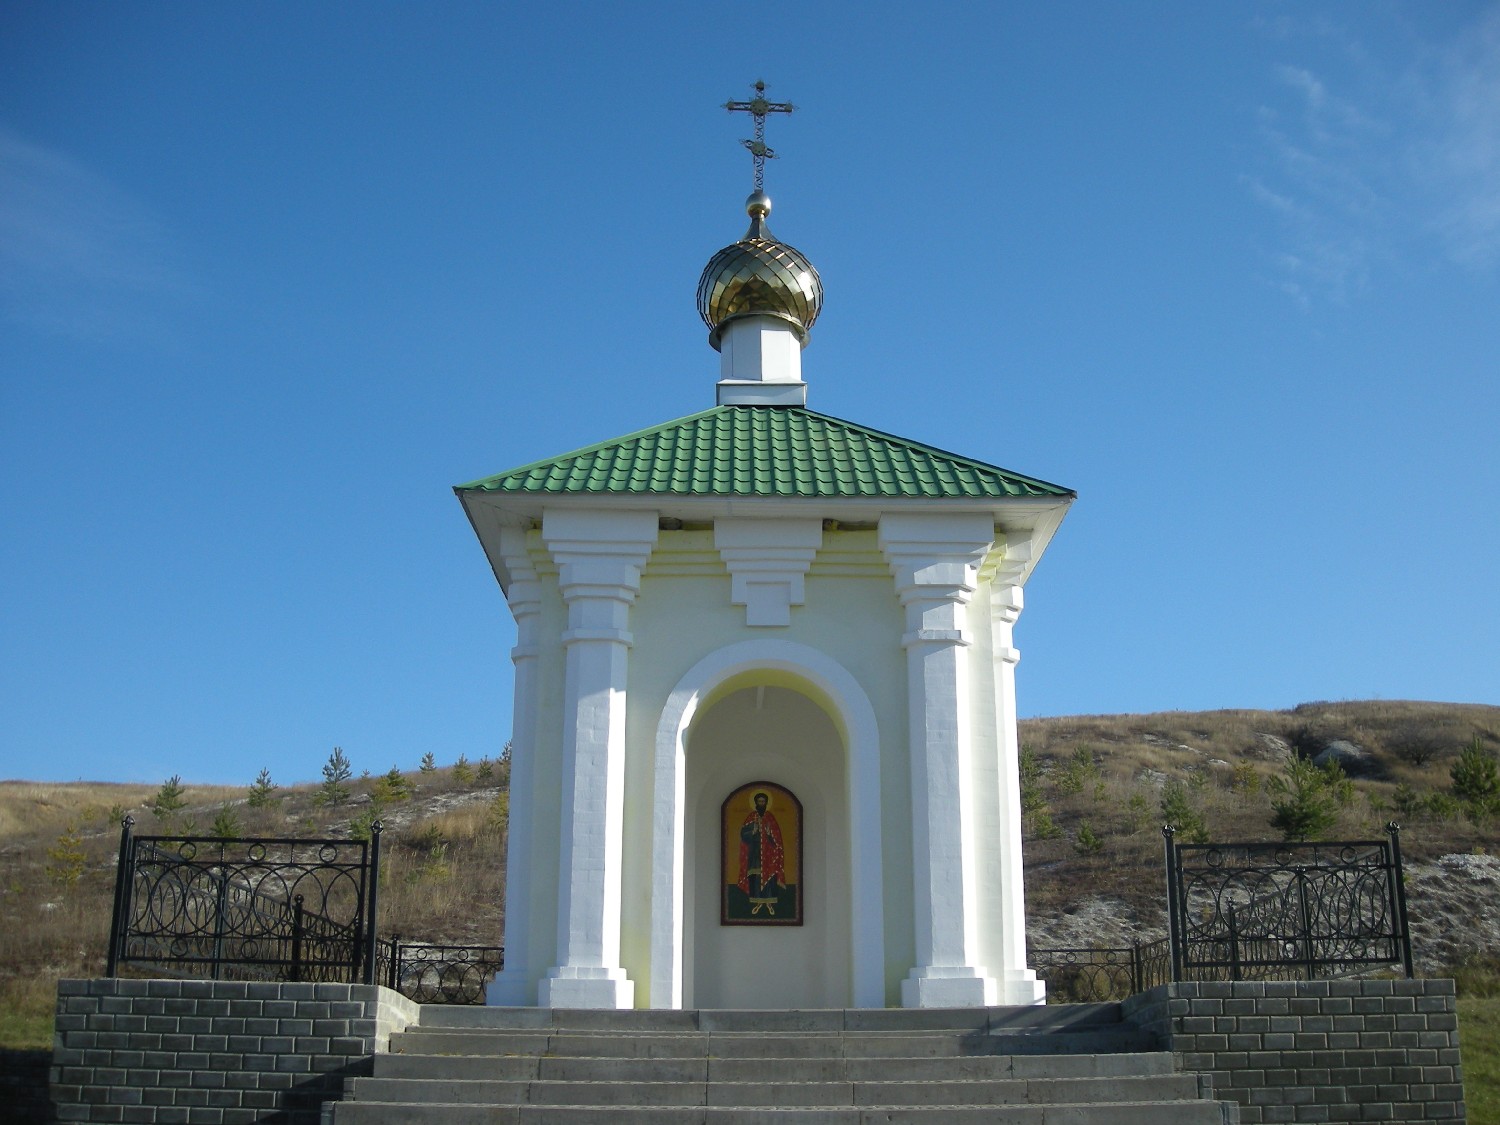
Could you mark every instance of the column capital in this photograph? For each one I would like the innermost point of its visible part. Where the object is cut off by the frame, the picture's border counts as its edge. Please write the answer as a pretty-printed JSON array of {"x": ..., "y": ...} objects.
[
  {"x": 936, "y": 554},
  {"x": 600, "y": 549}
]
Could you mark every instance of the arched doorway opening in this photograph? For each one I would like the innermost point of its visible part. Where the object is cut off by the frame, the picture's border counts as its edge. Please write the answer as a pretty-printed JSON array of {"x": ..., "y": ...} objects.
[
  {"x": 780, "y": 739},
  {"x": 781, "y": 711}
]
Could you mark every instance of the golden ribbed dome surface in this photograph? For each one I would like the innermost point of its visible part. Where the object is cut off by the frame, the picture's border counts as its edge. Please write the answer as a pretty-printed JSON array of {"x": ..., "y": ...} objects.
[{"x": 759, "y": 275}]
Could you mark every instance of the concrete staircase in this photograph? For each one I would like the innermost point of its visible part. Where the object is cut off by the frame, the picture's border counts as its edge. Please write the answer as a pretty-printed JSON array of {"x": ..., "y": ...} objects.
[{"x": 1060, "y": 1065}]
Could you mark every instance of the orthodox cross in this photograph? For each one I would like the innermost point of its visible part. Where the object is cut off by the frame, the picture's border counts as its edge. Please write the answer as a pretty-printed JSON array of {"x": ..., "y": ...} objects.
[{"x": 757, "y": 107}]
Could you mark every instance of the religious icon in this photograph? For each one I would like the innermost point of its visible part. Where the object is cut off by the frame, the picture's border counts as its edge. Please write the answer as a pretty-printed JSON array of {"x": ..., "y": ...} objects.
[{"x": 762, "y": 852}]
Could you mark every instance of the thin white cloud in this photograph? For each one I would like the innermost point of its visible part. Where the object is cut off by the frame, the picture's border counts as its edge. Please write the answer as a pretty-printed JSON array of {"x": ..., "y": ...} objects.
[
  {"x": 77, "y": 255},
  {"x": 1364, "y": 162},
  {"x": 1319, "y": 179},
  {"x": 1464, "y": 166}
]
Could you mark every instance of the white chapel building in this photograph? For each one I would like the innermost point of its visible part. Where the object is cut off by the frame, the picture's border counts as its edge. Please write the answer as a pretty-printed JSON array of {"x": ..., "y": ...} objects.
[{"x": 764, "y": 752}]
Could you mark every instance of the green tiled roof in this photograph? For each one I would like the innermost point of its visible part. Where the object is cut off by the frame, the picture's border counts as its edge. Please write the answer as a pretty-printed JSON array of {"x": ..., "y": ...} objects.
[{"x": 766, "y": 451}]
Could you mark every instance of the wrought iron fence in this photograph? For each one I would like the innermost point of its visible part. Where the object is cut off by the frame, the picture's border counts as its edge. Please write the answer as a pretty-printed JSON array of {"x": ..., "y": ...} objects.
[
  {"x": 439, "y": 974},
  {"x": 1270, "y": 911},
  {"x": 271, "y": 909},
  {"x": 1079, "y": 975}
]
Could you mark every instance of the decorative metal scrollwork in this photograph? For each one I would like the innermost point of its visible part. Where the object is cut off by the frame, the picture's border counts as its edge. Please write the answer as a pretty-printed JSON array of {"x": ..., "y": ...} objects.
[
  {"x": 1270, "y": 911},
  {"x": 256, "y": 909},
  {"x": 439, "y": 974}
]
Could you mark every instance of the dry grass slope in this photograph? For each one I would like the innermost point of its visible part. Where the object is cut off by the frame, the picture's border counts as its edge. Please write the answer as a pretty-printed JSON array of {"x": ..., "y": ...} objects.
[{"x": 445, "y": 851}]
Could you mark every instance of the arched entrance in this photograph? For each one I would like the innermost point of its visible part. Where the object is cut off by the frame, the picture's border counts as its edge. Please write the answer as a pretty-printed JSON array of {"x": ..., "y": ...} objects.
[
  {"x": 785, "y": 712},
  {"x": 779, "y": 736}
]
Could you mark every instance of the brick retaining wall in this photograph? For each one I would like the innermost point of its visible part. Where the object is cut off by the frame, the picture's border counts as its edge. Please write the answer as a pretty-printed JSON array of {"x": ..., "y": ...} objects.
[
  {"x": 1313, "y": 1051},
  {"x": 199, "y": 1052}
]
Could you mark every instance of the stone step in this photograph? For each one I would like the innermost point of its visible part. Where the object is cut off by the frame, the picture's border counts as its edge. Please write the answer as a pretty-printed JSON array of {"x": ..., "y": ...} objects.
[
  {"x": 1118, "y": 1042},
  {"x": 1016, "y": 1018},
  {"x": 1065, "y": 1065},
  {"x": 764, "y": 1045},
  {"x": 710, "y": 1069},
  {"x": 781, "y": 1092},
  {"x": 1113, "y": 1113}
]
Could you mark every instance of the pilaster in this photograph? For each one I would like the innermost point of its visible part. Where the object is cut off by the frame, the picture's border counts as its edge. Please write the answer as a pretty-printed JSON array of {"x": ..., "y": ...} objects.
[
  {"x": 512, "y": 985},
  {"x": 1018, "y": 984},
  {"x": 935, "y": 560},
  {"x": 599, "y": 555}
]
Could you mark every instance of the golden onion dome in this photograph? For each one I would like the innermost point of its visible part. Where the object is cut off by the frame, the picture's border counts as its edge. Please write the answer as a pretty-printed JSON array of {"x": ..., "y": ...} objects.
[{"x": 759, "y": 276}]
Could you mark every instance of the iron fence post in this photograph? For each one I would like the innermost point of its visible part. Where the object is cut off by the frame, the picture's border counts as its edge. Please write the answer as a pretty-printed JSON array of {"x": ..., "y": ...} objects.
[
  {"x": 1398, "y": 886},
  {"x": 1236, "y": 972},
  {"x": 1137, "y": 969},
  {"x": 1174, "y": 909},
  {"x": 297, "y": 925},
  {"x": 1309, "y": 950},
  {"x": 122, "y": 883},
  {"x": 368, "y": 976},
  {"x": 393, "y": 970},
  {"x": 221, "y": 900}
]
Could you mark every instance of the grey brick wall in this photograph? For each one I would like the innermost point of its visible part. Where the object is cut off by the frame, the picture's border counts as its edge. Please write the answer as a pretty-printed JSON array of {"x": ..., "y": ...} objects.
[
  {"x": 1312, "y": 1051},
  {"x": 198, "y": 1052}
]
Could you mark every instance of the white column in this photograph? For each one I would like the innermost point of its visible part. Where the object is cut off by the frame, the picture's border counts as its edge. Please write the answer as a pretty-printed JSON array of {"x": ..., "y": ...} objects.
[
  {"x": 935, "y": 560},
  {"x": 1018, "y": 984},
  {"x": 512, "y": 985},
  {"x": 599, "y": 557}
]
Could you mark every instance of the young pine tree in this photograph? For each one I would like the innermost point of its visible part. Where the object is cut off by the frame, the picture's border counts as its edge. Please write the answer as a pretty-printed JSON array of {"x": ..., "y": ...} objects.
[
  {"x": 391, "y": 789},
  {"x": 429, "y": 763},
  {"x": 337, "y": 770},
  {"x": 463, "y": 773},
  {"x": 1087, "y": 842},
  {"x": 1476, "y": 781},
  {"x": 263, "y": 791},
  {"x": 65, "y": 859},
  {"x": 169, "y": 798},
  {"x": 1306, "y": 801},
  {"x": 1177, "y": 810},
  {"x": 226, "y": 825}
]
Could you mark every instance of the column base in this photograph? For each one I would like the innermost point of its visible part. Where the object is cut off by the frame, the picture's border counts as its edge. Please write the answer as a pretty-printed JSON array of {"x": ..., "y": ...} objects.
[
  {"x": 956, "y": 986},
  {"x": 1020, "y": 986},
  {"x": 510, "y": 990},
  {"x": 572, "y": 987}
]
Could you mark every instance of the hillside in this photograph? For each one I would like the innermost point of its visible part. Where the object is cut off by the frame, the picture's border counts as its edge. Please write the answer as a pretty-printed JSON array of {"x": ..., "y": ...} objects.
[{"x": 1094, "y": 787}]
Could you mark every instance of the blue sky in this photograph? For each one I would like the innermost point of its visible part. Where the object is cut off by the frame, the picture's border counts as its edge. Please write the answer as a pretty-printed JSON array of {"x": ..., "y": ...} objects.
[{"x": 274, "y": 277}]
